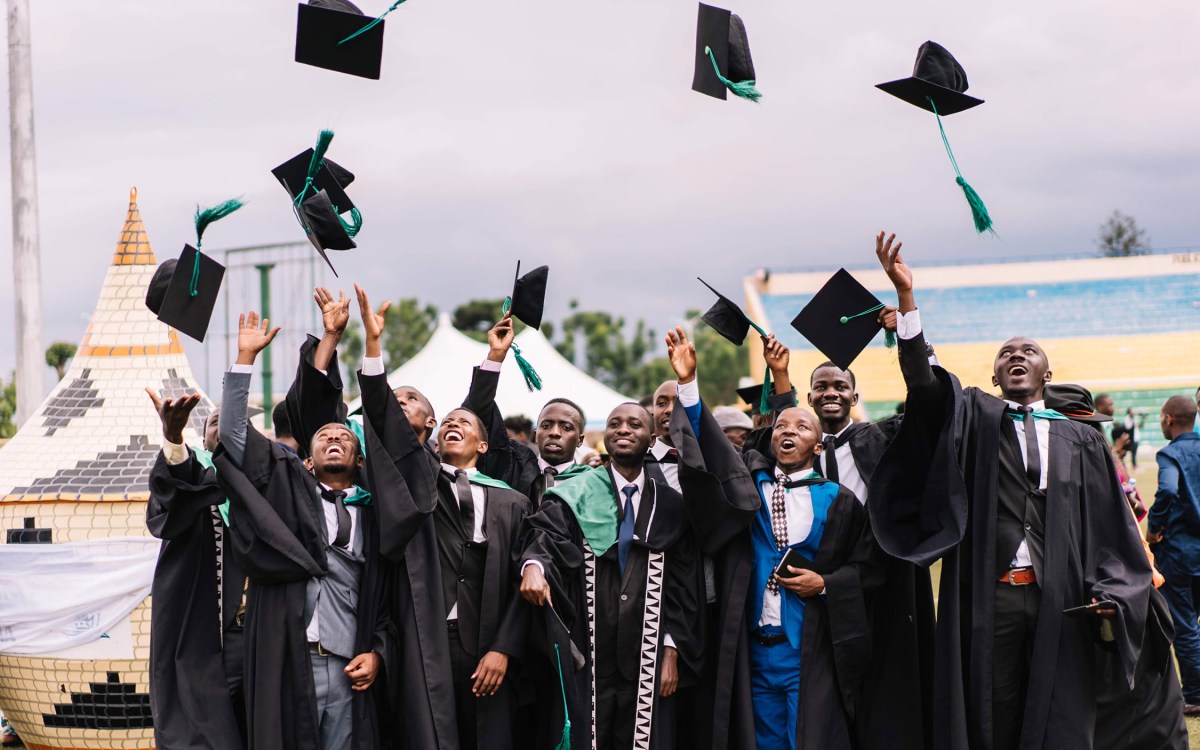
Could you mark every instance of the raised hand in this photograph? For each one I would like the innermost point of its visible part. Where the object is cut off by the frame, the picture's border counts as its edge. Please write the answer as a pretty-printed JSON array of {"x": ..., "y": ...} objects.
[
  {"x": 253, "y": 336},
  {"x": 174, "y": 414},
  {"x": 335, "y": 313},
  {"x": 887, "y": 318},
  {"x": 372, "y": 322},
  {"x": 500, "y": 339},
  {"x": 776, "y": 354},
  {"x": 893, "y": 264},
  {"x": 682, "y": 354}
]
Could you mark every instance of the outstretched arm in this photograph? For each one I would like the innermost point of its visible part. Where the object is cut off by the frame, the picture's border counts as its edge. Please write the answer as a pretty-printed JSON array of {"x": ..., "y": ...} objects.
[
  {"x": 253, "y": 337},
  {"x": 914, "y": 362},
  {"x": 335, "y": 314}
]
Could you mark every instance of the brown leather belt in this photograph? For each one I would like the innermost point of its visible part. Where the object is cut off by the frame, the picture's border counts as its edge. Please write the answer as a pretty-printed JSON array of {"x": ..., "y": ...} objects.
[
  {"x": 1019, "y": 577},
  {"x": 319, "y": 650}
]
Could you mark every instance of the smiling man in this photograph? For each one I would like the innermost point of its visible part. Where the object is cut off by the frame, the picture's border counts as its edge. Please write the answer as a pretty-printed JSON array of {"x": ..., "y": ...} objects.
[
  {"x": 452, "y": 533},
  {"x": 316, "y": 634},
  {"x": 610, "y": 550},
  {"x": 782, "y": 683},
  {"x": 1024, "y": 510}
]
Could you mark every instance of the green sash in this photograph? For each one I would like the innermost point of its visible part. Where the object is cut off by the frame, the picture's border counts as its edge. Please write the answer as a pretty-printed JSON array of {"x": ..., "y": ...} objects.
[
  {"x": 205, "y": 459},
  {"x": 590, "y": 497},
  {"x": 484, "y": 480}
]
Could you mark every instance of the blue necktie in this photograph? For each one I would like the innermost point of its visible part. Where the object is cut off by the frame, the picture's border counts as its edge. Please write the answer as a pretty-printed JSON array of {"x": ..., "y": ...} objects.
[{"x": 625, "y": 535}]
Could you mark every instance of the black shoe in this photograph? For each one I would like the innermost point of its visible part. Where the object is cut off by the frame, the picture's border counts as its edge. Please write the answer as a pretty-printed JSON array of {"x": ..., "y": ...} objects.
[{"x": 1191, "y": 709}]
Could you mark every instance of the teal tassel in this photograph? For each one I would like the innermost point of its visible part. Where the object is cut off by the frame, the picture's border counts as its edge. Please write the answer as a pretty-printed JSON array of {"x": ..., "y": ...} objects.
[
  {"x": 564, "y": 743},
  {"x": 354, "y": 224},
  {"x": 533, "y": 381},
  {"x": 889, "y": 339},
  {"x": 764, "y": 399},
  {"x": 203, "y": 219},
  {"x": 314, "y": 166},
  {"x": 979, "y": 212},
  {"x": 504, "y": 308},
  {"x": 743, "y": 89},
  {"x": 374, "y": 22}
]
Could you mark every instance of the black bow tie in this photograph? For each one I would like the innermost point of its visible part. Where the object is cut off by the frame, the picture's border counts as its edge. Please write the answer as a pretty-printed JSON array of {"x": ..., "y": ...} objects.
[{"x": 337, "y": 497}]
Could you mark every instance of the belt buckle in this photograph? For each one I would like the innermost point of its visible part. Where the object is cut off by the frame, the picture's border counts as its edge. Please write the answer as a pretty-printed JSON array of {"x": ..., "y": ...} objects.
[
  {"x": 320, "y": 650},
  {"x": 1012, "y": 576}
]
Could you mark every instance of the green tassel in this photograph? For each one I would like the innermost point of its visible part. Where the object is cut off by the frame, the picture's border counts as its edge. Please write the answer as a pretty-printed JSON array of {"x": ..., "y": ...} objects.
[
  {"x": 533, "y": 381},
  {"x": 203, "y": 219},
  {"x": 764, "y": 398},
  {"x": 314, "y": 166},
  {"x": 564, "y": 743},
  {"x": 374, "y": 22},
  {"x": 504, "y": 308},
  {"x": 354, "y": 224},
  {"x": 743, "y": 89},
  {"x": 889, "y": 339},
  {"x": 979, "y": 212}
]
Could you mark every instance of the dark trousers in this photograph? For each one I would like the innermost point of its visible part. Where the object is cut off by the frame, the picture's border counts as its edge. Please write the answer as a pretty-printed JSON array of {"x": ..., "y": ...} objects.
[
  {"x": 462, "y": 666},
  {"x": 233, "y": 654},
  {"x": 1182, "y": 592},
  {"x": 1012, "y": 648},
  {"x": 616, "y": 709}
]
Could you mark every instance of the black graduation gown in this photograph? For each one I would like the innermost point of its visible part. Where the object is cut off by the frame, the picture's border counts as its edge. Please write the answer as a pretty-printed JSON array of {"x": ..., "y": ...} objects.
[
  {"x": 934, "y": 496},
  {"x": 277, "y": 527},
  {"x": 836, "y": 641},
  {"x": 403, "y": 473},
  {"x": 189, "y": 694},
  {"x": 507, "y": 460},
  {"x": 553, "y": 538},
  {"x": 314, "y": 398}
]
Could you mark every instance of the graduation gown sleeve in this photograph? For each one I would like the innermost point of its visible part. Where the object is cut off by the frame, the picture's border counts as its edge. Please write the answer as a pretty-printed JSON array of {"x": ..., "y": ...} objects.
[
  {"x": 314, "y": 398},
  {"x": 507, "y": 460}
]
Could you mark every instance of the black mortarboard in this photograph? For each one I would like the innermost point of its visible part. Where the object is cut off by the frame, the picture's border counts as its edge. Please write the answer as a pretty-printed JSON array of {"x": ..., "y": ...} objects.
[
  {"x": 727, "y": 319},
  {"x": 324, "y": 226},
  {"x": 840, "y": 320},
  {"x": 723, "y": 61},
  {"x": 529, "y": 295},
  {"x": 334, "y": 34},
  {"x": 184, "y": 292},
  {"x": 331, "y": 177},
  {"x": 937, "y": 85},
  {"x": 1073, "y": 401},
  {"x": 937, "y": 76},
  {"x": 750, "y": 394}
]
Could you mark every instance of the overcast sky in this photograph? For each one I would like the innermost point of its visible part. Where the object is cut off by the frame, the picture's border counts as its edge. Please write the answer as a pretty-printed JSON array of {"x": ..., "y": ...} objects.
[{"x": 566, "y": 132}]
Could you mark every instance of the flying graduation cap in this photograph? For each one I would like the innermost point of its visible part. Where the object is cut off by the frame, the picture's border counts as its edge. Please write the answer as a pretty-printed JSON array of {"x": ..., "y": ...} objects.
[
  {"x": 183, "y": 291},
  {"x": 840, "y": 320},
  {"x": 721, "y": 45},
  {"x": 937, "y": 85},
  {"x": 727, "y": 319},
  {"x": 317, "y": 186},
  {"x": 336, "y": 35},
  {"x": 527, "y": 303}
]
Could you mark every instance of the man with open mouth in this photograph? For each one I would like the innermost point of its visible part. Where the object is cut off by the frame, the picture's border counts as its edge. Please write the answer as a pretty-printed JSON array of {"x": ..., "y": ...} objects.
[
  {"x": 610, "y": 551},
  {"x": 1025, "y": 512},
  {"x": 781, "y": 681},
  {"x": 452, "y": 533}
]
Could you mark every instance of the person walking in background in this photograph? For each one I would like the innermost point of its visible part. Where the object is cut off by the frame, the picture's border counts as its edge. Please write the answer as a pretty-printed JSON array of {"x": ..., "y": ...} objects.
[
  {"x": 1173, "y": 532},
  {"x": 1133, "y": 426}
]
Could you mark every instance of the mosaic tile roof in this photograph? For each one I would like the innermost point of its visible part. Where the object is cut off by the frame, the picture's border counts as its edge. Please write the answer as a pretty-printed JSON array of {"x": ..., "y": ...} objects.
[{"x": 94, "y": 438}]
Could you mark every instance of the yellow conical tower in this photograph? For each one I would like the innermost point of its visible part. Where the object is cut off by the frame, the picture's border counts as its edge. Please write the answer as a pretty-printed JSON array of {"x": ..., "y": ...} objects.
[{"x": 78, "y": 470}]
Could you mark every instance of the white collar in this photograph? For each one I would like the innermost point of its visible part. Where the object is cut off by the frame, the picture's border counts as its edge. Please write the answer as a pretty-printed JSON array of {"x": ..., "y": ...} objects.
[
  {"x": 543, "y": 464},
  {"x": 837, "y": 434},
  {"x": 621, "y": 482},
  {"x": 452, "y": 470},
  {"x": 1036, "y": 405},
  {"x": 795, "y": 476},
  {"x": 659, "y": 449},
  {"x": 350, "y": 491}
]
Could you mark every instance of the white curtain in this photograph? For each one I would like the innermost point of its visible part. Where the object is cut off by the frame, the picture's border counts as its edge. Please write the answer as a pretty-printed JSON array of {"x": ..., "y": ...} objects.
[{"x": 55, "y": 596}]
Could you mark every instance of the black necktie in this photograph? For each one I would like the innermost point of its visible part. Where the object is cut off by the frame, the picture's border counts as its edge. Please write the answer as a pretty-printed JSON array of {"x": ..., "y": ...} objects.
[
  {"x": 466, "y": 503},
  {"x": 548, "y": 477},
  {"x": 829, "y": 444},
  {"x": 342, "y": 538},
  {"x": 1033, "y": 456}
]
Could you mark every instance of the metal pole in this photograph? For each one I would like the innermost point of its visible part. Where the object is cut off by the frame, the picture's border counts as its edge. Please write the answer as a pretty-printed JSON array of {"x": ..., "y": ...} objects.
[
  {"x": 264, "y": 287},
  {"x": 27, "y": 270}
]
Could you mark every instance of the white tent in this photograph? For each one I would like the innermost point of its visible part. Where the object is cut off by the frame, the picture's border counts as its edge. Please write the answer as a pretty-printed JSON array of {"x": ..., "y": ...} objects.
[{"x": 442, "y": 371}]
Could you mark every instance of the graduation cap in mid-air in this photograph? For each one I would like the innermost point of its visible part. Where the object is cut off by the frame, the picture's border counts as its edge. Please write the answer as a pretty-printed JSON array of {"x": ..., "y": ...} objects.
[
  {"x": 938, "y": 85},
  {"x": 318, "y": 190},
  {"x": 723, "y": 61},
  {"x": 183, "y": 291},
  {"x": 526, "y": 304},
  {"x": 727, "y": 319},
  {"x": 841, "y": 319},
  {"x": 336, "y": 35}
]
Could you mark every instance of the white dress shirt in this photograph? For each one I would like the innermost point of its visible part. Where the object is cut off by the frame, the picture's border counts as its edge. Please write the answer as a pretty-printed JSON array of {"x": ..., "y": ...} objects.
[
  {"x": 558, "y": 468},
  {"x": 313, "y": 631},
  {"x": 848, "y": 474},
  {"x": 798, "y": 501},
  {"x": 479, "y": 500}
]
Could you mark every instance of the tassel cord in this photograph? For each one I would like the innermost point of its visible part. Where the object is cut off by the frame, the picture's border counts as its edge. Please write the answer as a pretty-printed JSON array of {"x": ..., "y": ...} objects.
[
  {"x": 374, "y": 22},
  {"x": 743, "y": 89},
  {"x": 204, "y": 217},
  {"x": 889, "y": 338},
  {"x": 564, "y": 742}
]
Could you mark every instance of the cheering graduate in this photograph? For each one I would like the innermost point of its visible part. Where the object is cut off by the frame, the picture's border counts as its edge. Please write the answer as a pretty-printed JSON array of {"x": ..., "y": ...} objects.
[
  {"x": 452, "y": 533},
  {"x": 795, "y": 645},
  {"x": 1024, "y": 510},
  {"x": 196, "y": 646},
  {"x": 610, "y": 551},
  {"x": 895, "y": 709},
  {"x": 316, "y": 632}
]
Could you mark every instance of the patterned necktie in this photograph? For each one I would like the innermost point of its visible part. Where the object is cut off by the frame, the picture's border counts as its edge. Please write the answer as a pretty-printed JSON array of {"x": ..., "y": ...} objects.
[
  {"x": 466, "y": 503},
  {"x": 625, "y": 535},
  {"x": 342, "y": 538},
  {"x": 829, "y": 451},
  {"x": 778, "y": 522}
]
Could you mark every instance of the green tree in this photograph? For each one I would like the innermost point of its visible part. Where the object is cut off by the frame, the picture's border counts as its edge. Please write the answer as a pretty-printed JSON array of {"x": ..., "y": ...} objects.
[
  {"x": 406, "y": 330},
  {"x": 476, "y": 317},
  {"x": 1121, "y": 237},
  {"x": 8, "y": 406},
  {"x": 351, "y": 352},
  {"x": 58, "y": 355},
  {"x": 720, "y": 363}
]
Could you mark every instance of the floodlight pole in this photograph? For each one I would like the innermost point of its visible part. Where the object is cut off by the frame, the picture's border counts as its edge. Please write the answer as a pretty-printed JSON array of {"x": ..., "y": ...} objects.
[
  {"x": 27, "y": 267},
  {"x": 264, "y": 287}
]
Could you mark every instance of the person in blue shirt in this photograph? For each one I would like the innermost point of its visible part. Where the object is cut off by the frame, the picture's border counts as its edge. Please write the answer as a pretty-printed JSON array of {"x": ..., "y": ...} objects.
[
  {"x": 1173, "y": 531},
  {"x": 808, "y": 626}
]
